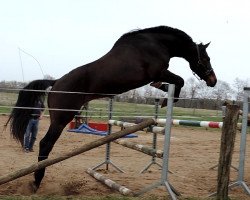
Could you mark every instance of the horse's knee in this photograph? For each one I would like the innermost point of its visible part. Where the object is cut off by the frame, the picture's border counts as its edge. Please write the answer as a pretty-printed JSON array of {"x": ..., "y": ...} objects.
[{"x": 180, "y": 83}]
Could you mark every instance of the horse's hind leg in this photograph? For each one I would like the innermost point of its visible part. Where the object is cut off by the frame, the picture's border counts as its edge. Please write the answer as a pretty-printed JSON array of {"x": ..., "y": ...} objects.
[{"x": 46, "y": 145}]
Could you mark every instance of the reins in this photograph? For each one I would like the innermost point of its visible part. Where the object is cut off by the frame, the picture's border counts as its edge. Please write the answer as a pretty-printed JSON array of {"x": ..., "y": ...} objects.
[{"x": 200, "y": 63}]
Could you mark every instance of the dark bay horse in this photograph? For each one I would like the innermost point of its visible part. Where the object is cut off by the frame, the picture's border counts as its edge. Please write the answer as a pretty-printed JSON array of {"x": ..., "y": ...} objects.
[{"x": 136, "y": 59}]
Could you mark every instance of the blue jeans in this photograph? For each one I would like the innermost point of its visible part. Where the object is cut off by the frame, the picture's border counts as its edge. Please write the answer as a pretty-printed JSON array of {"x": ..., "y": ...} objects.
[{"x": 31, "y": 133}]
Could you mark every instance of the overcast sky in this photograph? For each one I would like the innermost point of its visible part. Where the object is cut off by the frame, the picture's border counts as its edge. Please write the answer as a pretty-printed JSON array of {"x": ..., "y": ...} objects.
[{"x": 64, "y": 34}]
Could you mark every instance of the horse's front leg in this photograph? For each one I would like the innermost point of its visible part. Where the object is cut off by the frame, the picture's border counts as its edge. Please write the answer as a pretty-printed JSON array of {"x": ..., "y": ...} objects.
[{"x": 169, "y": 77}]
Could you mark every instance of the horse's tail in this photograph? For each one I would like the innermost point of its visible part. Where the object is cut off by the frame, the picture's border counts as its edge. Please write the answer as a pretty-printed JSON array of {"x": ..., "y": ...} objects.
[{"x": 27, "y": 97}]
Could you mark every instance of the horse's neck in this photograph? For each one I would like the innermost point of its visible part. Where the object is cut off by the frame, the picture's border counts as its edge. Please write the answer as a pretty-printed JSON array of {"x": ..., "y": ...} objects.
[{"x": 177, "y": 47}]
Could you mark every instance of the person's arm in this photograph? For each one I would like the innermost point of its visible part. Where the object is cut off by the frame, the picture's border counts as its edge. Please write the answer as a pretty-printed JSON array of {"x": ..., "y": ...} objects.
[{"x": 42, "y": 110}]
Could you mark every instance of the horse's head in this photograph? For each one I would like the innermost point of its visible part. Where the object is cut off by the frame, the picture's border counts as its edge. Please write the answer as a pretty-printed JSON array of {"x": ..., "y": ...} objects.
[{"x": 200, "y": 65}]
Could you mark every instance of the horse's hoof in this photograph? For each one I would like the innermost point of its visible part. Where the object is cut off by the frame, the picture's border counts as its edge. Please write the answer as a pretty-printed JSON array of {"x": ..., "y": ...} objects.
[
  {"x": 33, "y": 187},
  {"x": 165, "y": 102}
]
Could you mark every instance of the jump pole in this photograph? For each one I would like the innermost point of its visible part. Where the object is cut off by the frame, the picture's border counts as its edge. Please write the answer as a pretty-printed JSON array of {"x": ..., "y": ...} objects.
[
  {"x": 153, "y": 129},
  {"x": 206, "y": 124},
  {"x": 111, "y": 184},
  {"x": 141, "y": 148},
  {"x": 45, "y": 163}
]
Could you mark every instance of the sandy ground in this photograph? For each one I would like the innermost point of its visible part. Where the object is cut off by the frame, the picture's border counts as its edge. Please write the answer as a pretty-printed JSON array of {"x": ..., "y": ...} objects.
[{"x": 192, "y": 153}]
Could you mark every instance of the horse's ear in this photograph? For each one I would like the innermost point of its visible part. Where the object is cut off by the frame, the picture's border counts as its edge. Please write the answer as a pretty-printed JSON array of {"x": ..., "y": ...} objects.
[{"x": 206, "y": 45}]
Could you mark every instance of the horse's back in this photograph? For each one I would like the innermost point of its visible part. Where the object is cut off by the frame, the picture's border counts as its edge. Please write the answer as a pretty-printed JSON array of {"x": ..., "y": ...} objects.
[{"x": 123, "y": 68}]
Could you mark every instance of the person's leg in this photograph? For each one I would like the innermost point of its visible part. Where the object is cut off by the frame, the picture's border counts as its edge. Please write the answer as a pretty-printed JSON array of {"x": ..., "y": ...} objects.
[
  {"x": 27, "y": 135},
  {"x": 34, "y": 131}
]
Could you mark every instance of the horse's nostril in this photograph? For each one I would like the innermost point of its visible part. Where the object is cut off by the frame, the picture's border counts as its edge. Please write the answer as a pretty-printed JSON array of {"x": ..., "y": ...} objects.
[{"x": 212, "y": 80}]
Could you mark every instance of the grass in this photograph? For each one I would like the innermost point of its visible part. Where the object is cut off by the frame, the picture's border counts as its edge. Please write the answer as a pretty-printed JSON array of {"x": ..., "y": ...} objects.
[
  {"x": 8, "y": 99},
  {"x": 4, "y": 110},
  {"x": 122, "y": 109}
]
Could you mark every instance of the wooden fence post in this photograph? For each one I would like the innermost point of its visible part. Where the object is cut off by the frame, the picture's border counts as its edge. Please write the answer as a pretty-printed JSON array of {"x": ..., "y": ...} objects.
[{"x": 226, "y": 150}]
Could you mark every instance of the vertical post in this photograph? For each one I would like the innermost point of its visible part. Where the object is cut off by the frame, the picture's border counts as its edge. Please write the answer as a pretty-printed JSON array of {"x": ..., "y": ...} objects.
[
  {"x": 110, "y": 110},
  {"x": 107, "y": 156},
  {"x": 164, "y": 177},
  {"x": 243, "y": 137},
  {"x": 169, "y": 114},
  {"x": 240, "y": 182},
  {"x": 164, "y": 174},
  {"x": 154, "y": 142},
  {"x": 154, "y": 134},
  {"x": 226, "y": 150}
]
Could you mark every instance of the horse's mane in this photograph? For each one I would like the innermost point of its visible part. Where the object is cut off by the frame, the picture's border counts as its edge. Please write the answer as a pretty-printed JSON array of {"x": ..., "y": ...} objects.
[{"x": 159, "y": 29}]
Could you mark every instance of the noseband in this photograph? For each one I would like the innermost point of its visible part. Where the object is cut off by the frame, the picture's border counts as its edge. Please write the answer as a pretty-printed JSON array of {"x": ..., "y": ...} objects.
[{"x": 200, "y": 63}]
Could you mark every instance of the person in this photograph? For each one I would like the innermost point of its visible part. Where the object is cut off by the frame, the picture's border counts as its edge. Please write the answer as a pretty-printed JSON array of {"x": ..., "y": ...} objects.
[{"x": 32, "y": 127}]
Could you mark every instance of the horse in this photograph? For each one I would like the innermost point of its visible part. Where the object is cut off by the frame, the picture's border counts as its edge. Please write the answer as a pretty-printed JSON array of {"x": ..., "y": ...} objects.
[{"x": 137, "y": 58}]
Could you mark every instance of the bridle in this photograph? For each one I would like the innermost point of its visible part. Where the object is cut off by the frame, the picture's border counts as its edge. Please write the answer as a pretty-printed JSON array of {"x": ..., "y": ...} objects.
[{"x": 200, "y": 63}]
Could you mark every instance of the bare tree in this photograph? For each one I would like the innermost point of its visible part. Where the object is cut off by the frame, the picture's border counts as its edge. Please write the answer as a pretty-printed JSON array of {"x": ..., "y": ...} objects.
[
  {"x": 47, "y": 76},
  {"x": 190, "y": 89},
  {"x": 158, "y": 93},
  {"x": 219, "y": 93},
  {"x": 148, "y": 91},
  {"x": 223, "y": 90},
  {"x": 239, "y": 88}
]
